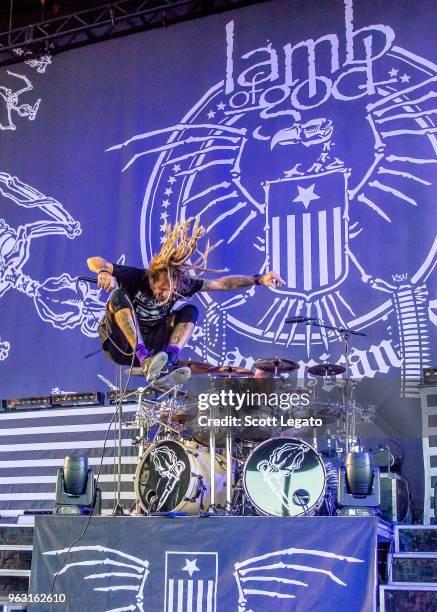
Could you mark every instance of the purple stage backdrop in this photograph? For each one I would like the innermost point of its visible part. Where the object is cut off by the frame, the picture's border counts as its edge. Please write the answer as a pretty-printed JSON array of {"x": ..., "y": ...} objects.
[{"x": 304, "y": 136}]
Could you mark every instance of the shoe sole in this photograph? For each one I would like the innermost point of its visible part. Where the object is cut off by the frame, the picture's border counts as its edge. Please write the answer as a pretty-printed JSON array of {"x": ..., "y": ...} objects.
[
  {"x": 156, "y": 366},
  {"x": 175, "y": 378}
]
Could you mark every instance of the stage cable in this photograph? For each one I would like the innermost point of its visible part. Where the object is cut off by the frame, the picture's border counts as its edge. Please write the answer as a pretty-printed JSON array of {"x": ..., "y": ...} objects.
[{"x": 118, "y": 407}]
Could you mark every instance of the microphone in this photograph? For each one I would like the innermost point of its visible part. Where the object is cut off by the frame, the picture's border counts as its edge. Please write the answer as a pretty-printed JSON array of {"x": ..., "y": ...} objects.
[
  {"x": 88, "y": 279},
  {"x": 300, "y": 319}
]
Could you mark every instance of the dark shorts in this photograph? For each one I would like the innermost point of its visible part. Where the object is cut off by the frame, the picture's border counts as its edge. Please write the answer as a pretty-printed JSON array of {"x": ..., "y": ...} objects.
[{"x": 155, "y": 337}]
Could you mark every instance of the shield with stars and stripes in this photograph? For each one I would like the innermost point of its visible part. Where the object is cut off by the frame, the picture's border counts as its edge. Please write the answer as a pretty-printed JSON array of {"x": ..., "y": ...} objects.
[
  {"x": 307, "y": 231},
  {"x": 191, "y": 581}
]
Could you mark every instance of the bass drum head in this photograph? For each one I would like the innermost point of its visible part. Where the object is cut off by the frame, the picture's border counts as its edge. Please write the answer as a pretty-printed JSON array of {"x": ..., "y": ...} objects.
[
  {"x": 285, "y": 477},
  {"x": 163, "y": 477}
]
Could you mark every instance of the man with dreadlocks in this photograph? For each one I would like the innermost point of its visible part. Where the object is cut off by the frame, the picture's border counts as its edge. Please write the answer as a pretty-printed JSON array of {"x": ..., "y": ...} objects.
[{"x": 139, "y": 315}]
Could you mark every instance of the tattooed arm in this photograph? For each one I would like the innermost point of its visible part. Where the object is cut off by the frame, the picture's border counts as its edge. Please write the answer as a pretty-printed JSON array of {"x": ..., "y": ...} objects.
[{"x": 229, "y": 283}]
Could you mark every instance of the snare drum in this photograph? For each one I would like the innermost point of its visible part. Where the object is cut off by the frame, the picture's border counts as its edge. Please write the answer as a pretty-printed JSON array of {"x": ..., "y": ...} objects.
[
  {"x": 175, "y": 477},
  {"x": 285, "y": 477}
]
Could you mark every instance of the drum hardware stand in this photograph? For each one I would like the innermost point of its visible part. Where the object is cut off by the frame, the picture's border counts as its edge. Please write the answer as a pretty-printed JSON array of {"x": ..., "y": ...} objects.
[
  {"x": 315, "y": 438},
  {"x": 172, "y": 394},
  {"x": 167, "y": 426},
  {"x": 228, "y": 452},
  {"x": 201, "y": 489},
  {"x": 119, "y": 510},
  {"x": 349, "y": 403},
  {"x": 212, "y": 414},
  {"x": 240, "y": 502},
  {"x": 141, "y": 436},
  {"x": 228, "y": 455},
  {"x": 276, "y": 374}
]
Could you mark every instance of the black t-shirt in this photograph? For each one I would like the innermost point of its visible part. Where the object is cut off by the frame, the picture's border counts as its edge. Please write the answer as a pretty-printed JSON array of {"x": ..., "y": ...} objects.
[{"x": 147, "y": 309}]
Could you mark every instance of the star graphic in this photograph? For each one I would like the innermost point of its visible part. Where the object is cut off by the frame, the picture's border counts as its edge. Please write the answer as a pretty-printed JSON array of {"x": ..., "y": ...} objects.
[
  {"x": 171, "y": 180},
  {"x": 166, "y": 203},
  {"x": 190, "y": 567},
  {"x": 405, "y": 78},
  {"x": 176, "y": 168},
  {"x": 164, "y": 215},
  {"x": 393, "y": 72},
  {"x": 211, "y": 115},
  {"x": 305, "y": 195},
  {"x": 162, "y": 227},
  {"x": 220, "y": 106},
  {"x": 168, "y": 191}
]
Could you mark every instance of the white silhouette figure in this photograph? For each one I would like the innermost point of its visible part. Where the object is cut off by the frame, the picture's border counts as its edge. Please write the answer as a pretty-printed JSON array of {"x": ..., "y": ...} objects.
[
  {"x": 11, "y": 99},
  {"x": 273, "y": 570},
  {"x": 132, "y": 568},
  {"x": 169, "y": 467},
  {"x": 283, "y": 461},
  {"x": 63, "y": 301}
]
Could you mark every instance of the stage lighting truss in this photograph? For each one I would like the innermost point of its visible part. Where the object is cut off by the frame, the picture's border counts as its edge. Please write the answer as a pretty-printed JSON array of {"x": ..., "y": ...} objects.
[{"x": 101, "y": 23}]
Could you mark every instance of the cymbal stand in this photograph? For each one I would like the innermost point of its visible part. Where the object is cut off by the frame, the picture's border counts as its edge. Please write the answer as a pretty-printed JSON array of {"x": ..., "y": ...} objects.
[
  {"x": 119, "y": 510},
  {"x": 276, "y": 373},
  {"x": 172, "y": 394},
  {"x": 142, "y": 431},
  {"x": 212, "y": 458},
  {"x": 212, "y": 415},
  {"x": 349, "y": 402},
  {"x": 228, "y": 451}
]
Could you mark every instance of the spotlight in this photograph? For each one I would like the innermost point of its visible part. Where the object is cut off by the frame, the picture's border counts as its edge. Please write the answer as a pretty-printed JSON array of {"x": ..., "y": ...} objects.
[
  {"x": 359, "y": 474},
  {"x": 76, "y": 491},
  {"x": 358, "y": 486}
]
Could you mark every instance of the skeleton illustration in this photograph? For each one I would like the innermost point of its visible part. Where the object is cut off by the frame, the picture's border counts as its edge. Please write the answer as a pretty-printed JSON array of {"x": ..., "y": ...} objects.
[
  {"x": 281, "y": 574},
  {"x": 268, "y": 576},
  {"x": 133, "y": 570},
  {"x": 205, "y": 166},
  {"x": 282, "y": 462},
  {"x": 63, "y": 301},
  {"x": 169, "y": 467},
  {"x": 11, "y": 99},
  {"x": 4, "y": 350},
  {"x": 40, "y": 63}
]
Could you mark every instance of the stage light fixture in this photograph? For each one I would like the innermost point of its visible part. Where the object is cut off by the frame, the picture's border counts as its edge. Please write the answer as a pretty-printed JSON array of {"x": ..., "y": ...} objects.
[
  {"x": 76, "y": 491},
  {"x": 358, "y": 486},
  {"x": 359, "y": 473}
]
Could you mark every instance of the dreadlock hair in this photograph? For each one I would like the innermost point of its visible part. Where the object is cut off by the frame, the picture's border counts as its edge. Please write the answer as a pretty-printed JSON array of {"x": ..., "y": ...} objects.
[{"x": 179, "y": 245}]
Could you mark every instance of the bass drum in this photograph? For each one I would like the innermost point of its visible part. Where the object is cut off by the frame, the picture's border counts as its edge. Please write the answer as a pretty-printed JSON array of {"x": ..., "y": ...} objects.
[
  {"x": 175, "y": 477},
  {"x": 285, "y": 477}
]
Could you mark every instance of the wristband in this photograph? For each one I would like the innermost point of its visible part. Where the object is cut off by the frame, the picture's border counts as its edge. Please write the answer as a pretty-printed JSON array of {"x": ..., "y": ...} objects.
[
  {"x": 256, "y": 278},
  {"x": 103, "y": 270}
]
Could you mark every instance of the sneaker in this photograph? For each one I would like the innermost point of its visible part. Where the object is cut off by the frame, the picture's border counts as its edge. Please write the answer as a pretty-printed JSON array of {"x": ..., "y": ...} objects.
[
  {"x": 153, "y": 366},
  {"x": 176, "y": 377}
]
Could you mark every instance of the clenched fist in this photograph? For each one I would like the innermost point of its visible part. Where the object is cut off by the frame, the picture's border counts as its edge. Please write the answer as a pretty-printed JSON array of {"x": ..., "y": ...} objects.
[{"x": 272, "y": 280}]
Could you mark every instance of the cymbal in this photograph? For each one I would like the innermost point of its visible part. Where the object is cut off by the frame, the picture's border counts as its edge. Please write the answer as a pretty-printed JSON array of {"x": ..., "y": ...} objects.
[
  {"x": 275, "y": 364},
  {"x": 196, "y": 367},
  {"x": 179, "y": 395},
  {"x": 326, "y": 369},
  {"x": 231, "y": 372}
]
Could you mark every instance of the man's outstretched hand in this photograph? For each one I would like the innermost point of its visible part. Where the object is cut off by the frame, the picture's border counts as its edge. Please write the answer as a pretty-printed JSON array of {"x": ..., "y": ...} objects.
[
  {"x": 272, "y": 280},
  {"x": 106, "y": 281}
]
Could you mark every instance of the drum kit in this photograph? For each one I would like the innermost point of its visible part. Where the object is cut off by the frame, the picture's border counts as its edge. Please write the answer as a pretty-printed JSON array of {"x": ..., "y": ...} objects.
[{"x": 220, "y": 468}]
